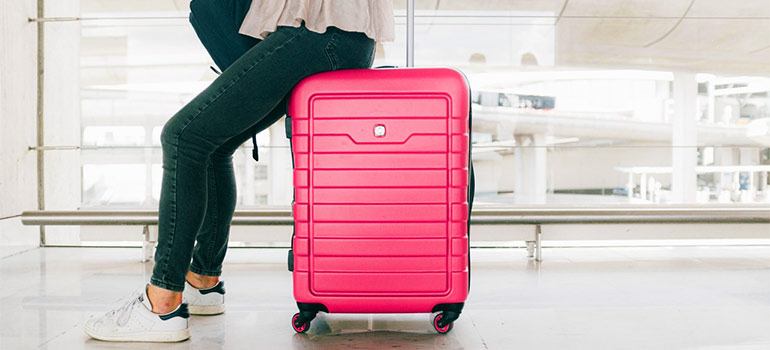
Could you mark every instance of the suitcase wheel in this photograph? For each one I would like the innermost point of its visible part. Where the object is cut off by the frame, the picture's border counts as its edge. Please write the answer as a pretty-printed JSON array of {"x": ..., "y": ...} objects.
[
  {"x": 299, "y": 325},
  {"x": 439, "y": 326}
]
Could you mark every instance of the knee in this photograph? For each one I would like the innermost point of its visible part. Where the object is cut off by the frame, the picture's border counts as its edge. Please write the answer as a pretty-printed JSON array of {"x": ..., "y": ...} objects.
[
  {"x": 222, "y": 155},
  {"x": 168, "y": 134}
]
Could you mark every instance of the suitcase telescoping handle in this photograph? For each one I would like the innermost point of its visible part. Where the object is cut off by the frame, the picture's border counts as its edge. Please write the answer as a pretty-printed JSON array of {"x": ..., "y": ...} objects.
[{"x": 255, "y": 151}]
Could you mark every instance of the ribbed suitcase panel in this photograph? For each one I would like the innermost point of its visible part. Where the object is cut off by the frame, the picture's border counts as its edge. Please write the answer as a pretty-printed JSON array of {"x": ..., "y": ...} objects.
[
  {"x": 379, "y": 178},
  {"x": 379, "y": 282},
  {"x": 386, "y": 104},
  {"x": 380, "y": 185},
  {"x": 380, "y": 213},
  {"x": 380, "y": 195},
  {"x": 417, "y": 143},
  {"x": 377, "y": 230},
  {"x": 379, "y": 161}
]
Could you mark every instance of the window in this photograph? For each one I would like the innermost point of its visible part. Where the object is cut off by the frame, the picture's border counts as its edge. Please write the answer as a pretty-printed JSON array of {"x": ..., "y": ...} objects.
[{"x": 579, "y": 102}]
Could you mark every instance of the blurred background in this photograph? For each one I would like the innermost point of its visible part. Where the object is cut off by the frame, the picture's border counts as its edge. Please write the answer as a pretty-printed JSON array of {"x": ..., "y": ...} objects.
[{"x": 595, "y": 102}]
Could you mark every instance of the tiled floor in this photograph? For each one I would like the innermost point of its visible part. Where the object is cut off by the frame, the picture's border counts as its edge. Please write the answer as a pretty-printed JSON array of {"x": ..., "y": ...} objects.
[{"x": 578, "y": 298}]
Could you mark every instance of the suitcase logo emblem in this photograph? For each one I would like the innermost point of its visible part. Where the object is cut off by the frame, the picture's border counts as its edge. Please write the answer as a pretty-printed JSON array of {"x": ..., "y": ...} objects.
[{"x": 379, "y": 130}]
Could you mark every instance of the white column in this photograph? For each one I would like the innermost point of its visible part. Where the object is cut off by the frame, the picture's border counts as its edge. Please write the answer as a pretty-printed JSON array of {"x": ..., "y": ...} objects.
[
  {"x": 279, "y": 170},
  {"x": 250, "y": 188},
  {"x": 684, "y": 137},
  {"x": 148, "y": 200},
  {"x": 711, "y": 104},
  {"x": 62, "y": 116},
  {"x": 530, "y": 160}
]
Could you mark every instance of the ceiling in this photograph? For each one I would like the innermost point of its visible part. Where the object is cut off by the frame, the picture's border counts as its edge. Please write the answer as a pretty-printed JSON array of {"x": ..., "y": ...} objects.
[
  {"x": 714, "y": 36},
  {"x": 710, "y": 36}
]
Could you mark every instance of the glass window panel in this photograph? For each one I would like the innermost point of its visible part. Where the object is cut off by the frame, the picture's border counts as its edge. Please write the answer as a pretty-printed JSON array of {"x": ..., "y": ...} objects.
[
  {"x": 575, "y": 99},
  {"x": 575, "y": 102},
  {"x": 113, "y": 136},
  {"x": 114, "y": 185}
]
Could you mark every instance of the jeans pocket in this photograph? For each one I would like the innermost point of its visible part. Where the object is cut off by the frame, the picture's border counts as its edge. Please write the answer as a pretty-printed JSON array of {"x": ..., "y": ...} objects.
[
  {"x": 331, "y": 51},
  {"x": 372, "y": 53},
  {"x": 351, "y": 50}
]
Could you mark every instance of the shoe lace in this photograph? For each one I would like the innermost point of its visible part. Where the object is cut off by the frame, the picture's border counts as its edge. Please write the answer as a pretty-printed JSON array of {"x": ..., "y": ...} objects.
[{"x": 123, "y": 313}]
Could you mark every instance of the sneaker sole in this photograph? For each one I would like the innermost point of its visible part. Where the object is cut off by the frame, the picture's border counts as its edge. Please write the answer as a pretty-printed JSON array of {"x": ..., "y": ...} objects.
[
  {"x": 206, "y": 310},
  {"x": 156, "y": 337}
]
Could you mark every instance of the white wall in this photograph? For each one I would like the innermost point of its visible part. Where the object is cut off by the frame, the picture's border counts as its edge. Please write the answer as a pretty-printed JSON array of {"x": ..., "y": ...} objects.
[
  {"x": 62, "y": 116},
  {"x": 18, "y": 101}
]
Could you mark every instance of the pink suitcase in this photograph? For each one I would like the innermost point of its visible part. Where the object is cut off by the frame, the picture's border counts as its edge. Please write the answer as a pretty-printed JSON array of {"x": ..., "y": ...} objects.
[{"x": 382, "y": 193}]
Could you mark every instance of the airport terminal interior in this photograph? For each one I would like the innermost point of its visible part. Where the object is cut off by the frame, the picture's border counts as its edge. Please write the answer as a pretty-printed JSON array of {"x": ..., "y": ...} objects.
[{"x": 621, "y": 151}]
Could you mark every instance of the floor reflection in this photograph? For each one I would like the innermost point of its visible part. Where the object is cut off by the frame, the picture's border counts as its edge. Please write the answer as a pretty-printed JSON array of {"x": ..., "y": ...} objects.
[
  {"x": 587, "y": 298},
  {"x": 404, "y": 331}
]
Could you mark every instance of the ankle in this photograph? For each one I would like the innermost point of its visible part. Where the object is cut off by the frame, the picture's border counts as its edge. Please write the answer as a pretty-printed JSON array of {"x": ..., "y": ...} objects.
[
  {"x": 162, "y": 300},
  {"x": 201, "y": 281}
]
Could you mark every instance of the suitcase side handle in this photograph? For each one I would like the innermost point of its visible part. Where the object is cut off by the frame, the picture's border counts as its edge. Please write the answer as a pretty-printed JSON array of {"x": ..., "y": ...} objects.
[{"x": 287, "y": 126}]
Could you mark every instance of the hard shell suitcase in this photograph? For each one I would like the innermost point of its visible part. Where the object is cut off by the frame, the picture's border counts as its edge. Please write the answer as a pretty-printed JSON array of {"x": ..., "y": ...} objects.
[{"x": 382, "y": 193}]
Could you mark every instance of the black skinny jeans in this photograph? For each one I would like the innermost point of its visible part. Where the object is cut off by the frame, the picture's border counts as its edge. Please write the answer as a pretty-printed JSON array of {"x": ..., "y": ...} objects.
[{"x": 198, "y": 192}]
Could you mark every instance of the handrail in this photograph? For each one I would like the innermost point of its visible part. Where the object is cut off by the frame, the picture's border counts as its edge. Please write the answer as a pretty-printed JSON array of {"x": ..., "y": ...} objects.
[{"x": 482, "y": 215}]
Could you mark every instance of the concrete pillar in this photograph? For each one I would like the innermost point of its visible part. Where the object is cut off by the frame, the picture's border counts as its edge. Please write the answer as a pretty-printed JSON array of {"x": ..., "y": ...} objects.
[
  {"x": 280, "y": 180},
  {"x": 148, "y": 159},
  {"x": 684, "y": 155},
  {"x": 530, "y": 160},
  {"x": 711, "y": 103},
  {"x": 62, "y": 116},
  {"x": 250, "y": 188}
]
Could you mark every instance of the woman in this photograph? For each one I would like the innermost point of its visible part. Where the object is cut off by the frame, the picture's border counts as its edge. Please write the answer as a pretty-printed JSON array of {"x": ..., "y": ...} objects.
[{"x": 284, "y": 42}]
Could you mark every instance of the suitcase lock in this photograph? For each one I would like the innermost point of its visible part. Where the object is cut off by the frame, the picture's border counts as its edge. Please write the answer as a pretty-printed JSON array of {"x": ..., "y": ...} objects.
[{"x": 379, "y": 130}]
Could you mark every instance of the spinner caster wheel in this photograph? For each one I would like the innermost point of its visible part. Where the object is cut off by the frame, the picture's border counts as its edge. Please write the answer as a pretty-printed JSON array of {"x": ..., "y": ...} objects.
[
  {"x": 300, "y": 326},
  {"x": 437, "y": 324}
]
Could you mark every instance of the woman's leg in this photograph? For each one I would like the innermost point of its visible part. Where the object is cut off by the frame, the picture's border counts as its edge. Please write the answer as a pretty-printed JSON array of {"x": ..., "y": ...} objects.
[
  {"x": 216, "y": 22},
  {"x": 211, "y": 246},
  {"x": 244, "y": 94}
]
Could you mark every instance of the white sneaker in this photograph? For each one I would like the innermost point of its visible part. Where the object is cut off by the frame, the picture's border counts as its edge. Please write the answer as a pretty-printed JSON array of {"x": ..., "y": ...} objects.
[
  {"x": 209, "y": 301},
  {"x": 135, "y": 321}
]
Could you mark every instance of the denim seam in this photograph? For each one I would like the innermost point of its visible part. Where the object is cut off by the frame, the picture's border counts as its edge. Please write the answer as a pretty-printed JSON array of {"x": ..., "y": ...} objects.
[
  {"x": 198, "y": 113},
  {"x": 205, "y": 272},
  {"x": 216, "y": 221},
  {"x": 332, "y": 45},
  {"x": 371, "y": 56},
  {"x": 166, "y": 285},
  {"x": 172, "y": 229},
  {"x": 231, "y": 83}
]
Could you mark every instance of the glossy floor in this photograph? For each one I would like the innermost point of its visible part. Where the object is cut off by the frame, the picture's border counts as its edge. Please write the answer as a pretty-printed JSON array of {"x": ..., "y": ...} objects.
[{"x": 578, "y": 298}]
